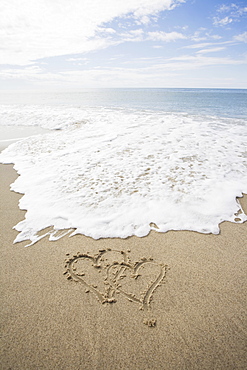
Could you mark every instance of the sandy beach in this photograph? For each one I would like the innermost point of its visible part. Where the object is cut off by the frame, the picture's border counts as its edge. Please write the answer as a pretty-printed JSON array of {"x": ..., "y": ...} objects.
[{"x": 193, "y": 291}]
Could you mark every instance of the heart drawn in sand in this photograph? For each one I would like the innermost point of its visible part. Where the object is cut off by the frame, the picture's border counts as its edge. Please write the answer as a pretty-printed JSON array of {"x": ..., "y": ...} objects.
[
  {"x": 111, "y": 272},
  {"x": 120, "y": 275},
  {"x": 86, "y": 269}
]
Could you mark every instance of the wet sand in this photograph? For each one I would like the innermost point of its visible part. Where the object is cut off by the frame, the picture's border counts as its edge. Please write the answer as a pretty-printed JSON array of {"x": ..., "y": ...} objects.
[
  {"x": 194, "y": 289},
  {"x": 11, "y": 134}
]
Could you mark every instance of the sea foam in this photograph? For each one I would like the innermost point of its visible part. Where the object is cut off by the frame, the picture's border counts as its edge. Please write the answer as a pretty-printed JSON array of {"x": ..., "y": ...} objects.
[{"x": 118, "y": 172}]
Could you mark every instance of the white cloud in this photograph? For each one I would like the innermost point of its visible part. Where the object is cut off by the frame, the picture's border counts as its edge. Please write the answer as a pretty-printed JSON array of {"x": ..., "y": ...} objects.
[
  {"x": 145, "y": 72},
  {"x": 165, "y": 36},
  {"x": 186, "y": 70},
  {"x": 29, "y": 73},
  {"x": 234, "y": 9},
  {"x": 133, "y": 35},
  {"x": 35, "y": 29},
  {"x": 198, "y": 61},
  {"x": 222, "y": 22},
  {"x": 77, "y": 60},
  {"x": 233, "y": 13},
  {"x": 226, "y": 8},
  {"x": 210, "y": 50},
  {"x": 198, "y": 46},
  {"x": 106, "y": 30},
  {"x": 216, "y": 37},
  {"x": 206, "y": 44},
  {"x": 145, "y": 8},
  {"x": 144, "y": 20},
  {"x": 202, "y": 35},
  {"x": 242, "y": 37}
]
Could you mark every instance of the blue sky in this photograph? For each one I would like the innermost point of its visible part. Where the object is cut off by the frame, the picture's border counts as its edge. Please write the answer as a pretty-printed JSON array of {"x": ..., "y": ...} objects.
[{"x": 61, "y": 44}]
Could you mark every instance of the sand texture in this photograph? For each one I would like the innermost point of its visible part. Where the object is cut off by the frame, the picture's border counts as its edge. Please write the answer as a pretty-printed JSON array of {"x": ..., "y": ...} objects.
[{"x": 167, "y": 301}]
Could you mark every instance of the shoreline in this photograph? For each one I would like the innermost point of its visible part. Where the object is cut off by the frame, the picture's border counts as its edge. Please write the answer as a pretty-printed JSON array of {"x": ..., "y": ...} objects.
[
  {"x": 11, "y": 134},
  {"x": 49, "y": 321}
]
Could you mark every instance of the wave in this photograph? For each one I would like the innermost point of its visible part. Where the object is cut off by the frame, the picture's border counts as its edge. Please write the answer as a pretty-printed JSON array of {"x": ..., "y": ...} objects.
[{"x": 118, "y": 172}]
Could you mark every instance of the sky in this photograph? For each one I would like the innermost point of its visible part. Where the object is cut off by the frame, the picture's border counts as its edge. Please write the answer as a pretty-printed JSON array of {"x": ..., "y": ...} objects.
[{"x": 76, "y": 44}]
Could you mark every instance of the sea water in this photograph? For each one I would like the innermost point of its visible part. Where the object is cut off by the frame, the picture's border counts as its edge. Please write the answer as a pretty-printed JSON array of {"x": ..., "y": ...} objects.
[{"x": 122, "y": 162}]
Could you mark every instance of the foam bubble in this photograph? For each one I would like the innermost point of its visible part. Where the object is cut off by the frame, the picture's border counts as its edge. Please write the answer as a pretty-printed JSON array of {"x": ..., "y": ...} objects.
[{"x": 120, "y": 173}]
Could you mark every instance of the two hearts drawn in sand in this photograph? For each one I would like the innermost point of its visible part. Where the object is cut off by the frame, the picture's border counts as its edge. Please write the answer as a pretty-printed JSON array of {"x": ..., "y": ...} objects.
[{"x": 116, "y": 274}]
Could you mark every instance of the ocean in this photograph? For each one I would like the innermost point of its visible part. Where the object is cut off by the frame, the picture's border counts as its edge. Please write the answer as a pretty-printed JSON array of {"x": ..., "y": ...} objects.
[{"x": 122, "y": 162}]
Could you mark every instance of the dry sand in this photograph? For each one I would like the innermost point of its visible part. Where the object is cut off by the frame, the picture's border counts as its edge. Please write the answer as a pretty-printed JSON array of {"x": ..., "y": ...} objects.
[{"x": 50, "y": 322}]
